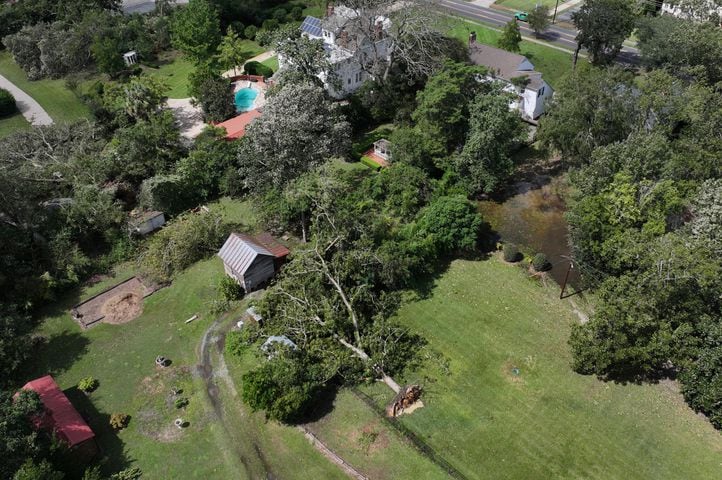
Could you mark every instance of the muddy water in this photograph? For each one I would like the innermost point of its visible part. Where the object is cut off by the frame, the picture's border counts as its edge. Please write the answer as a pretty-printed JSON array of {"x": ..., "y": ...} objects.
[{"x": 532, "y": 216}]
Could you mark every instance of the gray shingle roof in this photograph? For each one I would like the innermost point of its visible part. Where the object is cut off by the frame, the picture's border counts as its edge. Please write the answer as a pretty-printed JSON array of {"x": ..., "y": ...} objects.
[
  {"x": 503, "y": 64},
  {"x": 240, "y": 251}
]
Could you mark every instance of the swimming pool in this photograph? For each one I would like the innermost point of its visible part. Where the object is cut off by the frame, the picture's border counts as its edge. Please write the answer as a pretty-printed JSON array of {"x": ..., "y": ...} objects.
[{"x": 245, "y": 98}]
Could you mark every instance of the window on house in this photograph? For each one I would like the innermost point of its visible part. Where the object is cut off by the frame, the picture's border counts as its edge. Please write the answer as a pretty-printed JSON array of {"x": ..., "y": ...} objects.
[
  {"x": 540, "y": 92},
  {"x": 348, "y": 81}
]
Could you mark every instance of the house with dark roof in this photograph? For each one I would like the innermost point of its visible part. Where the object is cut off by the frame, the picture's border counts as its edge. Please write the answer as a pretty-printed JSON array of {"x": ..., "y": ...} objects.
[
  {"x": 61, "y": 418},
  {"x": 252, "y": 260},
  {"x": 518, "y": 75},
  {"x": 348, "y": 47}
]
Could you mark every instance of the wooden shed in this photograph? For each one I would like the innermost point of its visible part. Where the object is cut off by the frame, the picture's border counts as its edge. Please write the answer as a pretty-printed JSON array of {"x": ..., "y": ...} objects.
[{"x": 252, "y": 260}]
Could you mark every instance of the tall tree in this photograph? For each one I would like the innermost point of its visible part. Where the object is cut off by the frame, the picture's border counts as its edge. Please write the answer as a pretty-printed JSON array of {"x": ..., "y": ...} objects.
[
  {"x": 485, "y": 162},
  {"x": 603, "y": 26},
  {"x": 231, "y": 53},
  {"x": 196, "y": 30},
  {"x": 300, "y": 129},
  {"x": 539, "y": 18},
  {"x": 510, "y": 37}
]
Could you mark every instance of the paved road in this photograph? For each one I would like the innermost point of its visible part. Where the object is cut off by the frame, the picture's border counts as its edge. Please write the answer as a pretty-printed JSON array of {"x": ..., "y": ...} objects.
[
  {"x": 31, "y": 110},
  {"x": 143, "y": 6},
  {"x": 555, "y": 35}
]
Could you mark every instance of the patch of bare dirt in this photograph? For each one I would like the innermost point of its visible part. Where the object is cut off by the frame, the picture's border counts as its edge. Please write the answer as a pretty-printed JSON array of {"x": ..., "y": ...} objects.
[
  {"x": 122, "y": 308},
  {"x": 512, "y": 372}
]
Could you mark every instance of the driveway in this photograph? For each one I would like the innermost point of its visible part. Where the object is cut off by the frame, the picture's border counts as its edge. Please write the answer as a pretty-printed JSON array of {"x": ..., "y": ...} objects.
[{"x": 31, "y": 110}]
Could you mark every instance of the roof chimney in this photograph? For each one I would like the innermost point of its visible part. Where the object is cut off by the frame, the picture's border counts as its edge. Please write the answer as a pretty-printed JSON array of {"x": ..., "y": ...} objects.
[
  {"x": 472, "y": 38},
  {"x": 329, "y": 9}
]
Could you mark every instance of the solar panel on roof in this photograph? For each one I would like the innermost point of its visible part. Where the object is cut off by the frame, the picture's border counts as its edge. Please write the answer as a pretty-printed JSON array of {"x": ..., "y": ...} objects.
[{"x": 312, "y": 26}]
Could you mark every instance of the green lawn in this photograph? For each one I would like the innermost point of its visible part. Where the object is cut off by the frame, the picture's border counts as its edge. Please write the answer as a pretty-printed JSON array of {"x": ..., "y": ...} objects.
[
  {"x": 61, "y": 104},
  {"x": 13, "y": 123},
  {"x": 525, "y": 5},
  {"x": 553, "y": 63},
  {"x": 173, "y": 70},
  {"x": 487, "y": 318},
  {"x": 271, "y": 63}
]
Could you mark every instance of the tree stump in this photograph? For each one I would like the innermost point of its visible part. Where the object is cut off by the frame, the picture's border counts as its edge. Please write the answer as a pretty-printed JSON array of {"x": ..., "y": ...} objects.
[{"x": 406, "y": 397}]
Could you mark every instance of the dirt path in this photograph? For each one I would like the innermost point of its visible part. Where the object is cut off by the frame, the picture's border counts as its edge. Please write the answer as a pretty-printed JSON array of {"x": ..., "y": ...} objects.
[{"x": 31, "y": 109}]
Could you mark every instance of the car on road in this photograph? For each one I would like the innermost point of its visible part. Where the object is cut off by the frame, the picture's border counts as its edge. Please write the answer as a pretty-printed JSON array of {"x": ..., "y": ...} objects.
[{"x": 521, "y": 16}]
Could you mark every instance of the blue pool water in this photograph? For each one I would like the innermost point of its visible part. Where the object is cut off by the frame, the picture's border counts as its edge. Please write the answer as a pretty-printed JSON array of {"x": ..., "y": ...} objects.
[{"x": 245, "y": 98}]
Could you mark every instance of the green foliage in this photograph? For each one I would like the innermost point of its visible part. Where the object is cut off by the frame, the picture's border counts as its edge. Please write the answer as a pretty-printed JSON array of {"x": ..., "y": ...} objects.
[
  {"x": 250, "y": 32},
  {"x": 603, "y": 26},
  {"x": 18, "y": 438},
  {"x": 510, "y": 36},
  {"x": 369, "y": 162},
  {"x": 181, "y": 402},
  {"x": 592, "y": 108},
  {"x": 131, "y": 473},
  {"x": 683, "y": 47},
  {"x": 108, "y": 54},
  {"x": 511, "y": 253},
  {"x": 166, "y": 193},
  {"x": 442, "y": 113},
  {"x": 182, "y": 242},
  {"x": 88, "y": 384},
  {"x": 449, "y": 224},
  {"x": 195, "y": 30},
  {"x": 238, "y": 341},
  {"x": 205, "y": 170},
  {"x": 229, "y": 289},
  {"x": 119, "y": 421},
  {"x": 215, "y": 97},
  {"x": 494, "y": 130},
  {"x": 284, "y": 387},
  {"x": 541, "y": 263},
  {"x": 15, "y": 344},
  {"x": 257, "y": 68},
  {"x": 231, "y": 53},
  {"x": 538, "y": 18},
  {"x": 7, "y": 103},
  {"x": 43, "y": 470}
]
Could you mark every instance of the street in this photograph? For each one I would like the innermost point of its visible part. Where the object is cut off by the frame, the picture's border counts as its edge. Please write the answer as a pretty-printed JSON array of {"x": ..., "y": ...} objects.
[{"x": 555, "y": 35}]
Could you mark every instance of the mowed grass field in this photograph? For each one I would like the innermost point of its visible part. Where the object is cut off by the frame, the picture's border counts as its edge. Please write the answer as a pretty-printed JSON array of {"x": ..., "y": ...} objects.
[
  {"x": 61, "y": 104},
  {"x": 554, "y": 64},
  {"x": 486, "y": 318},
  {"x": 13, "y": 123},
  {"x": 524, "y": 5}
]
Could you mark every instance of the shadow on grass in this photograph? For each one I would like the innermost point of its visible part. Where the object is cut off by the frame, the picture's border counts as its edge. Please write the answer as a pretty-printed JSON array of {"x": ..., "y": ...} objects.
[
  {"x": 57, "y": 354},
  {"x": 112, "y": 456}
]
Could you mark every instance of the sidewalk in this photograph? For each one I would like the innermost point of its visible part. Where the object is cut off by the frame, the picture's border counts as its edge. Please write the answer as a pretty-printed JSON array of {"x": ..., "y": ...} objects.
[{"x": 31, "y": 110}]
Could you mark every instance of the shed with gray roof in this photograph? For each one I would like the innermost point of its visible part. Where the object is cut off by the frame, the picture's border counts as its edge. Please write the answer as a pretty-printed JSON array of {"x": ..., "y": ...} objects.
[{"x": 252, "y": 261}]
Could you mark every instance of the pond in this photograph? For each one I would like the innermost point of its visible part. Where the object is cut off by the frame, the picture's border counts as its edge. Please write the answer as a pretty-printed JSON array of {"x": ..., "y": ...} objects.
[{"x": 532, "y": 216}]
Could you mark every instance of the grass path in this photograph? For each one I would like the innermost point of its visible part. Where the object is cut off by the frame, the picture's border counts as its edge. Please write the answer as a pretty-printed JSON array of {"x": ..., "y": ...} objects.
[{"x": 486, "y": 318}]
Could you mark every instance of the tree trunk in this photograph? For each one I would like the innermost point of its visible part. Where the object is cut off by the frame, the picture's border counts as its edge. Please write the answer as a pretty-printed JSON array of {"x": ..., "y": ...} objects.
[{"x": 576, "y": 56}]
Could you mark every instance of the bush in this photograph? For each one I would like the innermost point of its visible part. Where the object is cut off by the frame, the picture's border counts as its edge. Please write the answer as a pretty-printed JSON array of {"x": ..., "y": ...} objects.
[
  {"x": 88, "y": 384},
  {"x": 181, "y": 402},
  {"x": 230, "y": 289},
  {"x": 238, "y": 341},
  {"x": 7, "y": 103},
  {"x": 369, "y": 162},
  {"x": 119, "y": 420},
  {"x": 541, "y": 263},
  {"x": 132, "y": 473},
  {"x": 279, "y": 14},
  {"x": 270, "y": 24},
  {"x": 166, "y": 193},
  {"x": 511, "y": 253},
  {"x": 250, "y": 32},
  {"x": 257, "y": 68},
  {"x": 297, "y": 13}
]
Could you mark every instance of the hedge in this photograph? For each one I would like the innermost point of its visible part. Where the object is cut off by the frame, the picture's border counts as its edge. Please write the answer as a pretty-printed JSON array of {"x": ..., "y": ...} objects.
[
  {"x": 257, "y": 68},
  {"x": 7, "y": 103},
  {"x": 370, "y": 163}
]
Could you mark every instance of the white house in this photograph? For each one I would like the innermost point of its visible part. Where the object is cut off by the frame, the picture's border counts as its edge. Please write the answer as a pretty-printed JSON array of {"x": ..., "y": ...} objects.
[
  {"x": 518, "y": 74},
  {"x": 693, "y": 11},
  {"x": 347, "y": 48}
]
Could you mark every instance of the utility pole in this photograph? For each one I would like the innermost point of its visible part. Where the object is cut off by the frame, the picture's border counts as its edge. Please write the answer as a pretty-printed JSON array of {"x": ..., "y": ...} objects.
[
  {"x": 566, "y": 278},
  {"x": 554, "y": 18}
]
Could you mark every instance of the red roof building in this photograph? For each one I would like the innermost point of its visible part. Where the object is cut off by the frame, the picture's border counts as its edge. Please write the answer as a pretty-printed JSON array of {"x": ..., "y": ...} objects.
[
  {"x": 60, "y": 415},
  {"x": 236, "y": 126}
]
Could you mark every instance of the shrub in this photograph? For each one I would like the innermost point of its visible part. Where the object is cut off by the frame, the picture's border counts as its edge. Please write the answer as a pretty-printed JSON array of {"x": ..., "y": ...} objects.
[
  {"x": 270, "y": 24},
  {"x": 238, "y": 341},
  {"x": 88, "y": 384},
  {"x": 119, "y": 420},
  {"x": 257, "y": 68},
  {"x": 297, "y": 13},
  {"x": 541, "y": 263},
  {"x": 511, "y": 253},
  {"x": 7, "y": 103},
  {"x": 132, "y": 473},
  {"x": 230, "y": 289},
  {"x": 279, "y": 14},
  {"x": 250, "y": 32},
  {"x": 166, "y": 193},
  {"x": 181, "y": 402}
]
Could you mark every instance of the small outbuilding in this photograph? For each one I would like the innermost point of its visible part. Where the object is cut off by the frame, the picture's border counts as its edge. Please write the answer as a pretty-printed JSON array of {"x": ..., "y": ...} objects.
[
  {"x": 382, "y": 148},
  {"x": 252, "y": 260},
  {"x": 62, "y": 418},
  {"x": 147, "y": 222}
]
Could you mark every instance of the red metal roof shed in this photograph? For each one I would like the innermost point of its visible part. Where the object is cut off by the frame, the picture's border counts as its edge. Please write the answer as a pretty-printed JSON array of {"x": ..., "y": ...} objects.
[{"x": 61, "y": 416}]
